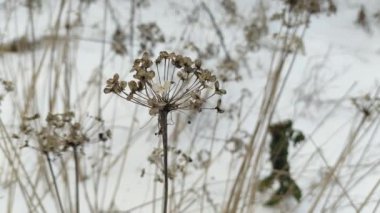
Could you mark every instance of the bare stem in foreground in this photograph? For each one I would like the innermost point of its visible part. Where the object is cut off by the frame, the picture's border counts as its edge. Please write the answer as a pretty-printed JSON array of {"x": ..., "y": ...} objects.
[
  {"x": 54, "y": 181},
  {"x": 164, "y": 132},
  {"x": 76, "y": 178}
]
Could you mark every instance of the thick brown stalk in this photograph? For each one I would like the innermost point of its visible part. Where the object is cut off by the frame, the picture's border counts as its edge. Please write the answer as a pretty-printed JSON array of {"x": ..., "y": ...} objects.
[{"x": 164, "y": 133}]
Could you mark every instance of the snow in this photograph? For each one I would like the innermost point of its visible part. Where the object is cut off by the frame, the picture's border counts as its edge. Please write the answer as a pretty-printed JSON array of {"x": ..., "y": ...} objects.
[{"x": 341, "y": 61}]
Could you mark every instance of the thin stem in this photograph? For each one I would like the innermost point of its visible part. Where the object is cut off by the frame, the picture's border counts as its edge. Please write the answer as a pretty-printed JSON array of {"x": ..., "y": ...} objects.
[
  {"x": 76, "y": 178},
  {"x": 132, "y": 27},
  {"x": 54, "y": 182},
  {"x": 164, "y": 132}
]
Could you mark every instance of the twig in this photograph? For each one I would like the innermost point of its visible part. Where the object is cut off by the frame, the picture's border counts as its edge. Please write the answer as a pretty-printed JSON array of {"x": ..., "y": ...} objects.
[
  {"x": 54, "y": 181},
  {"x": 217, "y": 29},
  {"x": 75, "y": 153},
  {"x": 124, "y": 159}
]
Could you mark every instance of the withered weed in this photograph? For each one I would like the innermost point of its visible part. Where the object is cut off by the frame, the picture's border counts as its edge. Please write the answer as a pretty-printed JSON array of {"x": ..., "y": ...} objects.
[{"x": 171, "y": 82}]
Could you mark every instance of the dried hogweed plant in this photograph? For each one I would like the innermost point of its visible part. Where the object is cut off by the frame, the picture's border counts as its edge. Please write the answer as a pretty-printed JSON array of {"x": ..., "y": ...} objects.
[
  {"x": 59, "y": 134},
  {"x": 169, "y": 83}
]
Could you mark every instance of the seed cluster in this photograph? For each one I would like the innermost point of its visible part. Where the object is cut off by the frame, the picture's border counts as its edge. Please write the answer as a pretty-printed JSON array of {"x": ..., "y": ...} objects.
[
  {"x": 179, "y": 165},
  {"x": 7, "y": 87},
  {"x": 60, "y": 132},
  {"x": 312, "y": 6},
  {"x": 170, "y": 82}
]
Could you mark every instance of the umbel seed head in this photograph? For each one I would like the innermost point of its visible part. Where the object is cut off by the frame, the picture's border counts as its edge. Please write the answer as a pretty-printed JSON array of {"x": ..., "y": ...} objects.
[{"x": 170, "y": 82}]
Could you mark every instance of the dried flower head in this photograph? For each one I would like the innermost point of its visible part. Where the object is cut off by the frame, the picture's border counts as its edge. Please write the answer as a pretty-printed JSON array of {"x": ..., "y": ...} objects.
[
  {"x": 179, "y": 165},
  {"x": 229, "y": 68},
  {"x": 229, "y": 6},
  {"x": 255, "y": 31},
  {"x": 118, "y": 39},
  {"x": 114, "y": 85},
  {"x": 332, "y": 7},
  {"x": 234, "y": 145},
  {"x": 7, "y": 86},
  {"x": 150, "y": 34},
  {"x": 60, "y": 132},
  {"x": 170, "y": 82},
  {"x": 142, "y": 3},
  {"x": 210, "y": 51},
  {"x": 362, "y": 19},
  {"x": 203, "y": 159},
  {"x": 367, "y": 104}
]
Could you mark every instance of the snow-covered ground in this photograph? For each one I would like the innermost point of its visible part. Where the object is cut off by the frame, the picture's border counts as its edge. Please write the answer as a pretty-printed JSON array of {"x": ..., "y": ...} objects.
[{"x": 340, "y": 60}]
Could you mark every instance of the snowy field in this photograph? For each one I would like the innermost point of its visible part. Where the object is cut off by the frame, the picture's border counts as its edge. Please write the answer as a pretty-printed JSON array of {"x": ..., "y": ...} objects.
[{"x": 66, "y": 146}]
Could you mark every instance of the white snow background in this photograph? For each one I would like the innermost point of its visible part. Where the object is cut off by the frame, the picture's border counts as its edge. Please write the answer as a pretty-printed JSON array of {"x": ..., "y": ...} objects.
[{"x": 341, "y": 60}]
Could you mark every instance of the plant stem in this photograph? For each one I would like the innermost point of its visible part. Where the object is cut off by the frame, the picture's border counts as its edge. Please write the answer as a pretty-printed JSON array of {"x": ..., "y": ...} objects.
[
  {"x": 76, "y": 178},
  {"x": 54, "y": 181},
  {"x": 164, "y": 132}
]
